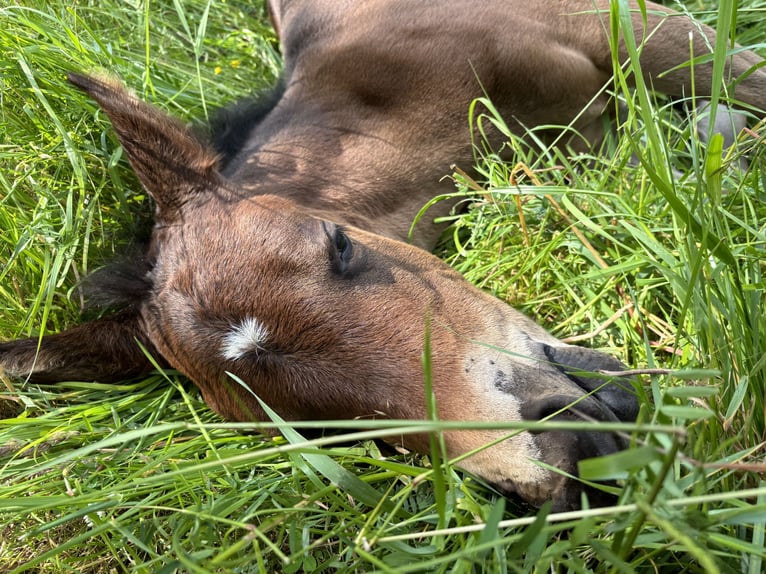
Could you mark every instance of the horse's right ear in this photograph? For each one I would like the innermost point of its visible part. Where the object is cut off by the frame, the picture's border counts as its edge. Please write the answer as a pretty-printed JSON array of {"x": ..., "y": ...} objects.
[
  {"x": 105, "y": 350},
  {"x": 170, "y": 162}
]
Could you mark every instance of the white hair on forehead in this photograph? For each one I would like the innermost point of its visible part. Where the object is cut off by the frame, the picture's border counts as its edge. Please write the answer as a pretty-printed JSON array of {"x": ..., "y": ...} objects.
[{"x": 249, "y": 336}]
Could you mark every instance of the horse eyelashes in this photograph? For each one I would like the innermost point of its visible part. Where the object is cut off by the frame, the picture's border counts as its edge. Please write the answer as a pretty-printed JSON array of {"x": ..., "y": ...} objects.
[
  {"x": 344, "y": 248},
  {"x": 340, "y": 247}
]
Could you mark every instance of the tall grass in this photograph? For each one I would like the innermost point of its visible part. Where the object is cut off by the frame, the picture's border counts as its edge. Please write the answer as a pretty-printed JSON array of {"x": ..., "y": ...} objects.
[{"x": 142, "y": 477}]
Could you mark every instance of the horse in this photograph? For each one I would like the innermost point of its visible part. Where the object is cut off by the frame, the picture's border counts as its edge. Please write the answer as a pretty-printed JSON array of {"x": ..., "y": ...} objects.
[{"x": 280, "y": 252}]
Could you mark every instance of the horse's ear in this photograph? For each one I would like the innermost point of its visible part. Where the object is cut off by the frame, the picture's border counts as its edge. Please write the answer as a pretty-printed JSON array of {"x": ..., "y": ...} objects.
[
  {"x": 105, "y": 350},
  {"x": 275, "y": 15},
  {"x": 170, "y": 162}
]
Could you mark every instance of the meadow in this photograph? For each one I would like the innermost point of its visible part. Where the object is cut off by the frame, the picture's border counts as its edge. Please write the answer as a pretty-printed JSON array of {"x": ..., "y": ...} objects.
[{"x": 651, "y": 249}]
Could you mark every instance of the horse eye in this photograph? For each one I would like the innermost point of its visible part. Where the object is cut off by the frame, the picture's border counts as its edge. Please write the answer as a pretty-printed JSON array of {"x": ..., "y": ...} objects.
[
  {"x": 340, "y": 248},
  {"x": 344, "y": 249}
]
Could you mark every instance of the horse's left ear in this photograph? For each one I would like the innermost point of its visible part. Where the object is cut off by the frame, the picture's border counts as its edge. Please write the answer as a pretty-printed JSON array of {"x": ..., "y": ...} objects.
[{"x": 169, "y": 161}]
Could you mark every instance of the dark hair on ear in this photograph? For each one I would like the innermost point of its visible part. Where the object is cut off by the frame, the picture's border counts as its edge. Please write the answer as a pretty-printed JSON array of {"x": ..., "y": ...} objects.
[
  {"x": 122, "y": 284},
  {"x": 124, "y": 280}
]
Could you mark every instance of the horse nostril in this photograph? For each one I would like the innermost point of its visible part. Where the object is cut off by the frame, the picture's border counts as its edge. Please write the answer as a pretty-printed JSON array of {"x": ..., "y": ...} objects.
[
  {"x": 563, "y": 406},
  {"x": 577, "y": 362},
  {"x": 590, "y": 443}
]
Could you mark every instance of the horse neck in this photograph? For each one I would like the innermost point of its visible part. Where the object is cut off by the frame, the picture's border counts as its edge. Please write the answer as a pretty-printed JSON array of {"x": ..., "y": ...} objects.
[{"x": 327, "y": 170}]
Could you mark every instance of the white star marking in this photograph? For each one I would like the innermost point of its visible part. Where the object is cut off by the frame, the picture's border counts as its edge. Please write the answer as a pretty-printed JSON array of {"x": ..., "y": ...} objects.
[{"x": 247, "y": 337}]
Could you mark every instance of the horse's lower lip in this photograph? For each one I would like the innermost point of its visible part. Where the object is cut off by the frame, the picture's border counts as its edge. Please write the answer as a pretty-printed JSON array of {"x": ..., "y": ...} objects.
[{"x": 564, "y": 450}]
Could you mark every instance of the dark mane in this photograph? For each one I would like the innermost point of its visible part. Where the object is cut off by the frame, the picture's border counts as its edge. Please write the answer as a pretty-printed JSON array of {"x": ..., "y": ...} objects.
[{"x": 230, "y": 126}]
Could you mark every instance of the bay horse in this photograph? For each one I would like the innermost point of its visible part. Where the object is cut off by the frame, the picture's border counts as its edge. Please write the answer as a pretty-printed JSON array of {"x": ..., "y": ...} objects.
[{"x": 279, "y": 249}]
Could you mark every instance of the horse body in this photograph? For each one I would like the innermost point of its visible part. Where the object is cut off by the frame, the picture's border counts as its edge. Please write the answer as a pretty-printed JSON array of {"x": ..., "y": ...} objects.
[
  {"x": 284, "y": 262},
  {"x": 365, "y": 130}
]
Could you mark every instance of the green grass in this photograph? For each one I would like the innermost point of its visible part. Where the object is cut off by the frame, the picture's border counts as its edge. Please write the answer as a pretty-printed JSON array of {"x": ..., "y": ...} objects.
[{"x": 142, "y": 477}]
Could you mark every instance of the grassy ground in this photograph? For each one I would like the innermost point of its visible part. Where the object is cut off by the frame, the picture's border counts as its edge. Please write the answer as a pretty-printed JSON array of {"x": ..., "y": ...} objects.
[{"x": 661, "y": 268}]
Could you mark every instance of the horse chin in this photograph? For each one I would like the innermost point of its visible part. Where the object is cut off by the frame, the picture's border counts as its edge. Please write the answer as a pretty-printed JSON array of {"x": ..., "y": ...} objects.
[
  {"x": 563, "y": 493},
  {"x": 557, "y": 481}
]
